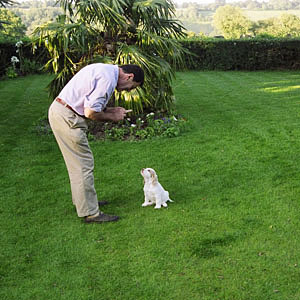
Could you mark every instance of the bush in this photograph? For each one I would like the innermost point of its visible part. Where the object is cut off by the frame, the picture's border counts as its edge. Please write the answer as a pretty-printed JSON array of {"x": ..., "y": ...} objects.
[
  {"x": 30, "y": 67},
  {"x": 11, "y": 72},
  {"x": 243, "y": 54}
]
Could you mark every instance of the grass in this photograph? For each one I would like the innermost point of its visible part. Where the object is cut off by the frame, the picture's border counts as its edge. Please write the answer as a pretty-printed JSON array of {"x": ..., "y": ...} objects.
[{"x": 232, "y": 233}]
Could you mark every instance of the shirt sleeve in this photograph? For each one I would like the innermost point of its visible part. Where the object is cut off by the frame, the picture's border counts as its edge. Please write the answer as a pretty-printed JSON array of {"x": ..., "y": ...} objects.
[{"x": 100, "y": 92}]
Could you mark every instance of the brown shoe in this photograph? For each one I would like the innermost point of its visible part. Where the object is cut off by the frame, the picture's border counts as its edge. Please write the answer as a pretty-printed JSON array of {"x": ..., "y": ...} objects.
[{"x": 101, "y": 218}]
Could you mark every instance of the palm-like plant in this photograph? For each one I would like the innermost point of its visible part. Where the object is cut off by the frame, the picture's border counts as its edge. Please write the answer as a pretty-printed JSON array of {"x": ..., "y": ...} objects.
[
  {"x": 142, "y": 32},
  {"x": 4, "y": 3}
]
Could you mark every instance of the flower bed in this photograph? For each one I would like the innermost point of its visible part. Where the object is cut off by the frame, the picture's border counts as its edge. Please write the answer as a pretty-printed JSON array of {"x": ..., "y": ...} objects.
[{"x": 138, "y": 127}]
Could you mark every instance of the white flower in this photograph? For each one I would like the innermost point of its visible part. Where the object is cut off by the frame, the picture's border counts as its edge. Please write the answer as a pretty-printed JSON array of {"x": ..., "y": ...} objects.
[
  {"x": 17, "y": 51},
  {"x": 150, "y": 114},
  {"x": 14, "y": 59},
  {"x": 133, "y": 125},
  {"x": 19, "y": 44},
  {"x": 174, "y": 118},
  {"x": 128, "y": 119}
]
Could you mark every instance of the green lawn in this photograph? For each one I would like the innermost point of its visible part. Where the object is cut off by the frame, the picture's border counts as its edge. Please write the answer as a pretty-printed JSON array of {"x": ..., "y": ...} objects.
[{"x": 232, "y": 233}]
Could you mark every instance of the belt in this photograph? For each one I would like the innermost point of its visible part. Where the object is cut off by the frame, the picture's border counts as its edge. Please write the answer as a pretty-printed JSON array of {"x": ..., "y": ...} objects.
[{"x": 68, "y": 106}]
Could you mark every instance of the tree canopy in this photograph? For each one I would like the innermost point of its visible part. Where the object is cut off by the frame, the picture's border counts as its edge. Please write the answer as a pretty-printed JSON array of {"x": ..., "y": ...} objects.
[
  {"x": 231, "y": 22},
  {"x": 11, "y": 25},
  {"x": 120, "y": 32},
  {"x": 287, "y": 25},
  {"x": 245, "y": 4}
]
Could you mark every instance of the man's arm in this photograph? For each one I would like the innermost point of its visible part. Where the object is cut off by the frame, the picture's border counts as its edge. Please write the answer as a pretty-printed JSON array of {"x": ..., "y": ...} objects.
[{"x": 113, "y": 114}]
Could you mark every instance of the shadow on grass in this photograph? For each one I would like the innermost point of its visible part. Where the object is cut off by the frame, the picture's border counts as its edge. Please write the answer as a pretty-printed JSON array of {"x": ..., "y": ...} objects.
[{"x": 211, "y": 247}]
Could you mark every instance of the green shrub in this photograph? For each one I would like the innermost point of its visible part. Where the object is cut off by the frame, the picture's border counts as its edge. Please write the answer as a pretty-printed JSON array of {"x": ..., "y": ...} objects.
[
  {"x": 30, "y": 66},
  {"x": 243, "y": 54},
  {"x": 11, "y": 72}
]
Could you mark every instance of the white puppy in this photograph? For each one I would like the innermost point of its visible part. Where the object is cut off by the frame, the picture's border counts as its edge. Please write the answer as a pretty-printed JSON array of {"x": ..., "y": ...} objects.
[{"x": 154, "y": 192}]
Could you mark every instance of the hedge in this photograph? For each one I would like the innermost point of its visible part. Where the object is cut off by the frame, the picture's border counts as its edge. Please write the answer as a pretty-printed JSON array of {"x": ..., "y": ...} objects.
[
  {"x": 208, "y": 54},
  {"x": 243, "y": 54}
]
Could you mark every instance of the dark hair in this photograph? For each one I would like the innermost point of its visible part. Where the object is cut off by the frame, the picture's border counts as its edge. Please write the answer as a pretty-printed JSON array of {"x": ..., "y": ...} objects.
[{"x": 136, "y": 70}]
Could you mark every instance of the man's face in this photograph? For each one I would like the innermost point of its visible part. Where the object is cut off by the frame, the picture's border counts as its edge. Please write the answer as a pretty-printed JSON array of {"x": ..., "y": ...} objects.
[{"x": 126, "y": 83}]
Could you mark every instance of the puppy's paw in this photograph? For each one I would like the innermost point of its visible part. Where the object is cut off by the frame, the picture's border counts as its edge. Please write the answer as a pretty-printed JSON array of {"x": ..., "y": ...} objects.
[
  {"x": 165, "y": 205},
  {"x": 157, "y": 206},
  {"x": 146, "y": 204}
]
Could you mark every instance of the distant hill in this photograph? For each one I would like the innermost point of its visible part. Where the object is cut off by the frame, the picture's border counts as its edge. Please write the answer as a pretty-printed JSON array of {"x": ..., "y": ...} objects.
[
  {"x": 194, "y": 17},
  {"x": 203, "y": 22},
  {"x": 206, "y": 28},
  {"x": 257, "y": 15}
]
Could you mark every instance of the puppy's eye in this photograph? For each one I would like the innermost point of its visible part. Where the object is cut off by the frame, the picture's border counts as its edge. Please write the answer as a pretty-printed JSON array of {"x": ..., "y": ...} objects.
[{"x": 149, "y": 171}]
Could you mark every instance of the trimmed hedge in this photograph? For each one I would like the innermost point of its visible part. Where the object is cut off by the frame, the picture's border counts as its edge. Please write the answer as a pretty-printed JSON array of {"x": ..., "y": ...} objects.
[
  {"x": 208, "y": 54},
  {"x": 243, "y": 54}
]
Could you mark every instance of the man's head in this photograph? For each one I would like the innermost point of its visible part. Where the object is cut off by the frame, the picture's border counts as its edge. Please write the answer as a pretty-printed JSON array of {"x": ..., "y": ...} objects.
[{"x": 130, "y": 77}]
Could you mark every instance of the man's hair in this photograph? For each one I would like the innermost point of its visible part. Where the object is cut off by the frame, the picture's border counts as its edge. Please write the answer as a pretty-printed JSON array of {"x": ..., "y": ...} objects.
[{"x": 137, "y": 71}]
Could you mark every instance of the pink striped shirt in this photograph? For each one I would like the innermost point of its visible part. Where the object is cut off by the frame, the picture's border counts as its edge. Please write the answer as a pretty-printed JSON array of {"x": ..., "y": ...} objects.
[{"x": 91, "y": 87}]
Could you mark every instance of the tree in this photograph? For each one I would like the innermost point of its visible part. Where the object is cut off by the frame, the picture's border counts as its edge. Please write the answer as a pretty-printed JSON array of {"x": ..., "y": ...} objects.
[
  {"x": 230, "y": 21},
  {"x": 220, "y": 2},
  {"x": 287, "y": 25},
  {"x": 11, "y": 25},
  {"x": 4, "y": 3},
  {"x": 119, "y": 32},
  {"x": 192, "y": 13},
  {"x": 262, "y": 27},
  {"x": 252, "y": 4},
  {"x": 280, "y": 4},
  {"x": 34, "y": 16}
]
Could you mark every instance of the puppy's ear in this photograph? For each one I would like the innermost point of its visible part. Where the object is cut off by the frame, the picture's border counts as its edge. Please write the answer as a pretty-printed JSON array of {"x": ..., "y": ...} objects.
[{"x": 153, "y": 176}]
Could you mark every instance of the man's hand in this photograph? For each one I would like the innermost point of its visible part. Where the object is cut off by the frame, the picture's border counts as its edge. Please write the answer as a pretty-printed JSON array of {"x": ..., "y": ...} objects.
[
  {"x": 114, "y": 114},
  {"x": 117, "y": 109},
  {"x": 117, "y": 113}
]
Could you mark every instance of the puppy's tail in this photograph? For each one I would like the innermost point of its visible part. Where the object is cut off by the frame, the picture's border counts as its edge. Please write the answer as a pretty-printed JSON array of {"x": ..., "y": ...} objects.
[{"x": 169, "y": 197}]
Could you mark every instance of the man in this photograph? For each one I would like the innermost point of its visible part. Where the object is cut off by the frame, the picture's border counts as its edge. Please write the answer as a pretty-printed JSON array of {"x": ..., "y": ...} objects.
[{"x": 86, "y": 96}]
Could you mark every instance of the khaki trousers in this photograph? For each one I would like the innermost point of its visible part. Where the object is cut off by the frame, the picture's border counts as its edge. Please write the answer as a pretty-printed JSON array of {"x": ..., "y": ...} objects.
[{"x": 70, "y": 132}]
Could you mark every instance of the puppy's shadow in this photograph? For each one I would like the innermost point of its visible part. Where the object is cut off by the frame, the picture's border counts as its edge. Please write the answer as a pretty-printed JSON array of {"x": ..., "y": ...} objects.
[{"x": 208, "y": 248}]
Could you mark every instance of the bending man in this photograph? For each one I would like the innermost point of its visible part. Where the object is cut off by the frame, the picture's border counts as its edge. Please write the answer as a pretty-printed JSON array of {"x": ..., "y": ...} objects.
[{"x": 86, "y": 96}]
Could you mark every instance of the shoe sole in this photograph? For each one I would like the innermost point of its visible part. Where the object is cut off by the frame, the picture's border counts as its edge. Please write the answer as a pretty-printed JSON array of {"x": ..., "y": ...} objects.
[{"x": 89, "y": 221}]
